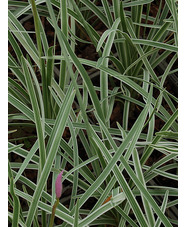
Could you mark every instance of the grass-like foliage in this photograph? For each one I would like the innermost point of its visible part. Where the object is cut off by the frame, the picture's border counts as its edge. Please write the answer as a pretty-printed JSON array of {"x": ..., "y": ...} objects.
[{"x": 120, "y": 168}]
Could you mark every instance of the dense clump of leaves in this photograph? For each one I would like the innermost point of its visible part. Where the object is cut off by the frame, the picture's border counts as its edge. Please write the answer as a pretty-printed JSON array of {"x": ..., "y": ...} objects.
[{"x": 108, "y": 119}]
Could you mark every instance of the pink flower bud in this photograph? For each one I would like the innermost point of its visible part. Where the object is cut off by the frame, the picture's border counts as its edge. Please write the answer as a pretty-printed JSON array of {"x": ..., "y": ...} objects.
[{"x": 58, "y": 185}]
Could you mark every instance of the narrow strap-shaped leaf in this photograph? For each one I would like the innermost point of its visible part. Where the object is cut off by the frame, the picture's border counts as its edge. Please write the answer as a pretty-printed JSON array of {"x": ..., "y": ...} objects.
[
  {"x": 15, "y": 147},
  {"x": 136, "y": 3},
  {"x": 19, "y": 88},
  {"x": 156, "y": 44},
  {"x": 139, "y": 173},
  {"x": 49, "y": 76},
  {"x": 14, "y": 67},
  {"x": 76, "y": 216},
  {"x": 103, "y": 75},
  {"x": 64, "y": 28},
  {"x": 37, "y": 117},
  {"x": 76, "y": 162},
  {"x": 40, "y": 53},
  {"x": 16, "y": 205},
  {"x": 15, "y": 46},
  {"x": 108, "y": 12}
]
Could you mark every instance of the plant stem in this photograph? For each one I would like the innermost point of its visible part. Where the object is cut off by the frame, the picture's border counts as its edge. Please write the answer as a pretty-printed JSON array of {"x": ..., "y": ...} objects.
[{"x": 53, "y": 212}]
